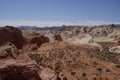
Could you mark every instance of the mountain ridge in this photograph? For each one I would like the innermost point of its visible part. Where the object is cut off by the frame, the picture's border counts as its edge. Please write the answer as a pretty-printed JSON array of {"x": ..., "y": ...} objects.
[{"x": 64, "y": 27}]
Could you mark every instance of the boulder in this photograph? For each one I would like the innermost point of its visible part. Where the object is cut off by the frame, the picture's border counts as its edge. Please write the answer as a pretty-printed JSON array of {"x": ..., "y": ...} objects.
[
  {"x": 8, "y": 50},
  {"x": 57, "y": 37},
  {"x": 115, "y": 49},
  {"x": 36, "y": 39},
  {"x": 18, "y": 70},
  {"x": 48, "y": 74},
  {"x": 11, "y": 34}
]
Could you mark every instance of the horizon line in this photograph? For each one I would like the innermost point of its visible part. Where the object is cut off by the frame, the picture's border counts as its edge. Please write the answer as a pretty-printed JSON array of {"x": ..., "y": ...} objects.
[{"x": 54, "y": 23}]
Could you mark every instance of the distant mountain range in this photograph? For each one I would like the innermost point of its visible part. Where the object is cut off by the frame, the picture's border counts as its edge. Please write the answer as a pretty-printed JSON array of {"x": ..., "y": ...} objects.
[
  {"x": 64, "y": 27},
  {"x": 27, "y": 27},
  {"x": 111, "y": 30}
]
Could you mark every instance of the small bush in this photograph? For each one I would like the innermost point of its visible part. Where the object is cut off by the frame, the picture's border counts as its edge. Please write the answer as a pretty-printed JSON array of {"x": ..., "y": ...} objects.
[
  {"x": 108, "y": 70},
  {"x": 84, "y": 74},
  {"x": 99, "y": 69},
  {"x": 73, "y": 73},
  {"x": 118, "y": 66}
]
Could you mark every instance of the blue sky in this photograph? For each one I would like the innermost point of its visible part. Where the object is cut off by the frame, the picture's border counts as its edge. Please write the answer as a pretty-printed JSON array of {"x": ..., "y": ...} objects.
[{"x": 59, "y": 12}]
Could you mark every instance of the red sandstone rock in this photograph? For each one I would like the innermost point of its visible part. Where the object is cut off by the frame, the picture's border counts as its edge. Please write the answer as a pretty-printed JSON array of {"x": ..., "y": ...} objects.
[
  {"x": 18, "y": 70},
  {"x": 11, "y": 34},
  {"x": 36, "y": 39},
  {"x": 30, "y": 47},
  {"x": 8, "y": 50}
]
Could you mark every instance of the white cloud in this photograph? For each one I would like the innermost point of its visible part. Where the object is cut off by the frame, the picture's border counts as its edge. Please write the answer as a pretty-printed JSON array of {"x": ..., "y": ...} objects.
[
  {"x": 35, "y": 23},
  {"x": 52, "y": 23}
]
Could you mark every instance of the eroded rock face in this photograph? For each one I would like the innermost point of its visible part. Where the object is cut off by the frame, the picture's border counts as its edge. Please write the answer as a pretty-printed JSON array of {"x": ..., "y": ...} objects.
[
  {"x": 87, "y": 39},
  {"x": 8, "y": 50},
  {"x": 11, "y": 34},
  {"x": 101, "y": 31},
  {"x": 115, "y": 49},
  {"x": 18, "y": 70},
  {"x": 21, "y": 70},
  {"x": 31, "y": 47},
  {"x": 57, "y": 37},
  {"x": 36, "y": 39}
]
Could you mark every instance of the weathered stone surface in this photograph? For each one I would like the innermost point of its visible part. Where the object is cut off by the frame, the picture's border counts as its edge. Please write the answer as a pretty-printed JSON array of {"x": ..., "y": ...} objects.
[
  {"x": 18, "y": 70},
  {"x": 115, "y": 49},
  {"x": 8, "y": 50},
  {"x": 57, "y": 37},
  {"x": 11, "y": 34},
  {"x": 36, "y": 39},
  {"x": 48, "y": 74}
]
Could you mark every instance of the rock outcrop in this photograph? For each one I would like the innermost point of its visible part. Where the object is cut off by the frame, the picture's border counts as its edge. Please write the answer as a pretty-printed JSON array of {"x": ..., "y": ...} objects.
[
  {"x": 18, "y": 70},
  {"x": 57, "y": 37},
  {"x": 11, "y": 34},
  {"x": 8, "y": 50},
  {"x": 101, "y": 31},
  {"x": 36, "y": 39},
  {"x": 115, "y": 49},
  {"x": 86, "y": 39}
]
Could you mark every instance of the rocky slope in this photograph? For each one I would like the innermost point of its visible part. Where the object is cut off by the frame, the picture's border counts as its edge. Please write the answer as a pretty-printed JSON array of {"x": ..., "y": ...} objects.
[
  {"x": 77, "y": 62},
  {"x": 15, "y": 64},
  {"x": 47, "y": 55}
]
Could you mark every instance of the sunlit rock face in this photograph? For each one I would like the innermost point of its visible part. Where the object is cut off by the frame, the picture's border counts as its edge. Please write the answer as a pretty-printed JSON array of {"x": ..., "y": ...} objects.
[{"x": 18, "y": 70}]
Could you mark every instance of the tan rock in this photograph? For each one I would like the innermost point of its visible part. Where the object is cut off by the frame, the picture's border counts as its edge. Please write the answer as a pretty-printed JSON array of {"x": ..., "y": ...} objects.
[{"x": 48, "y": 74}]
